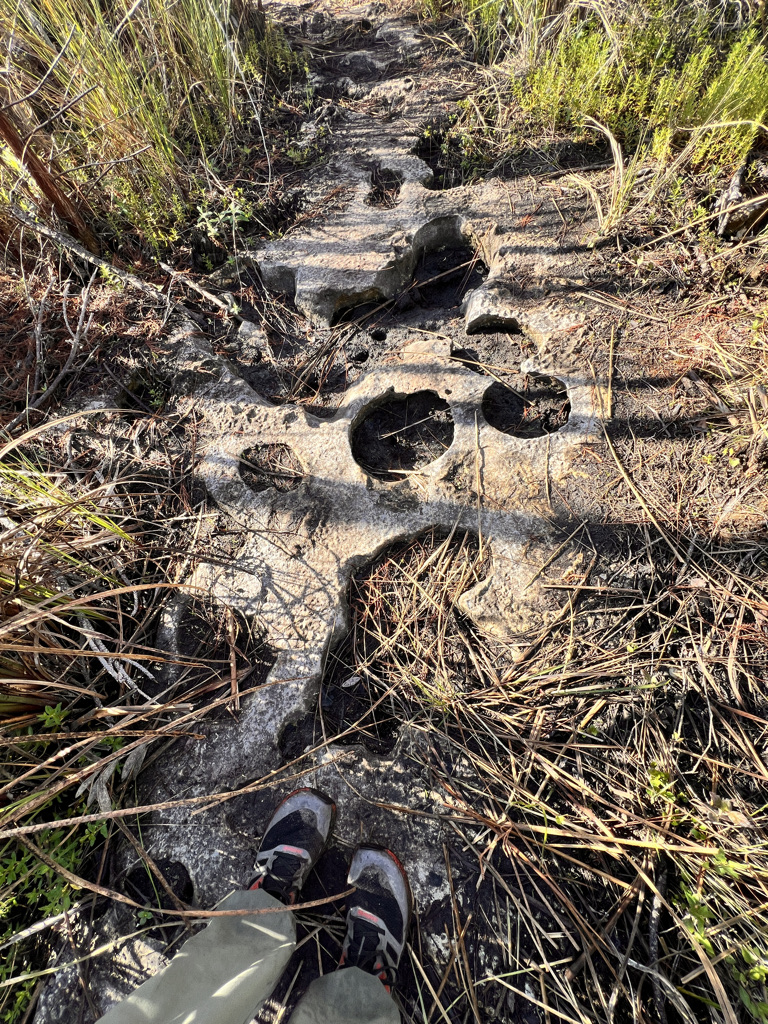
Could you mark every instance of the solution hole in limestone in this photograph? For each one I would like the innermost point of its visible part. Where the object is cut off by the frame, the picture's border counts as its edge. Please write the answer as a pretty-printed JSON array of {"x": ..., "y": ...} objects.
[
  {"x": 444, "y": 276},
  {"x": 540, "y": 406},
  {"x": 385, "y": 188},
  {"x": 402, "y": 433},
  {"x": 212, "y": 640},
  {"x": 442, "y": 151},
  {"x": 407, "y": 642},
  {"x": 357, "y": 314},
  {"x": 141, "y": 886},
  {"x": 271, "y": 465}
]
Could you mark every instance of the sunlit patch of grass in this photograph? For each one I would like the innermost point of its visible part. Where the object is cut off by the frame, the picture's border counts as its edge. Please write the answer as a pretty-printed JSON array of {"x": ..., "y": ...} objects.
[
  {"x": 647, "y": 87},
  {"x": 132, "y": 106}
]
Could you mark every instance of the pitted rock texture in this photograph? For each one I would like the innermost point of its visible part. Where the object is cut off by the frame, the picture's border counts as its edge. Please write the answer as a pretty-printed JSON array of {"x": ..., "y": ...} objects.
[
  {"x": 301, "y": 545},
  {"x": 307, "y": 514}
]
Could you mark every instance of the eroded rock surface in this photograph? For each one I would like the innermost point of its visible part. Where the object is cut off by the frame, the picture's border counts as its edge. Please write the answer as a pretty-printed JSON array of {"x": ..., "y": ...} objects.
[{"x": 307, "y": 508}]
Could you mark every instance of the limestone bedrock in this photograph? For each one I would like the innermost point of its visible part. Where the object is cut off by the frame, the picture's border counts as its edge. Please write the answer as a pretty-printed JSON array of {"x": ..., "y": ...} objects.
[{"x": 299, "y": 547}]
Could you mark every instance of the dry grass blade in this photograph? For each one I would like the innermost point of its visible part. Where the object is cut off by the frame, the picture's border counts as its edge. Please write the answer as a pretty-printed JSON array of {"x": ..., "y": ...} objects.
[{"x": 575, "y": 784}]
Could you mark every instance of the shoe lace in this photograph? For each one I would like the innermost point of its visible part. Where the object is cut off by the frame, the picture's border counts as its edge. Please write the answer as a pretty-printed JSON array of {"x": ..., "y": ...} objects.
[
  {"x": 279, "y": 873},
  {"x": 365, "y": 949}
]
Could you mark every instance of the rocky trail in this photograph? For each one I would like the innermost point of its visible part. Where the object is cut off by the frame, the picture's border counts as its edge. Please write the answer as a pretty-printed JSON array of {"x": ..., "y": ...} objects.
[{"x": 429, "y": 363}]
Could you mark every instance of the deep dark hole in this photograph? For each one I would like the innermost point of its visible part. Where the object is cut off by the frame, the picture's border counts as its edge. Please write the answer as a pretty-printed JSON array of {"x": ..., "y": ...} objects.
[
  {"x": 208, "y": 251},
  {"x": 143, "y": 887},
  {"x": 362, "y": 355},
  {"x": 443, "y": 152},
  {"x": 145, "y": 392},
  {"x": 540, "y": 407},
  {"x": 351, "y": 314},
  {"x": 385, "y": 188},
  {"x": 210, "y": 638},
  {"x": 441, "y": 279},
  {"x": 402, "y": 433},
  {"x": 378, "y": 334},
  {"x": 272, "y": 465},
  {"x": 363, "y": 665},
  {"x": 444, "y": 276}
]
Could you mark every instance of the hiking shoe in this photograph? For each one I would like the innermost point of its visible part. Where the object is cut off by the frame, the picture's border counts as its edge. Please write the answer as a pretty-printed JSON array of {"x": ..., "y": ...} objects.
[
  {"x": 295, "y": 837},
  {"x": 379, "y": 913}
]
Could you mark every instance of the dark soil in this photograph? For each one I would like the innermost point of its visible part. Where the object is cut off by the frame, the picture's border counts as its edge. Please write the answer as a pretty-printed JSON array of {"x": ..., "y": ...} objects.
[
  {"x": 385, "y": 188},
  {"x": 403, "y": 433},
  {"x": 443, "y": 277},
  {"x": 271, "y": 465},
  {"x": 540, "y": 407}
]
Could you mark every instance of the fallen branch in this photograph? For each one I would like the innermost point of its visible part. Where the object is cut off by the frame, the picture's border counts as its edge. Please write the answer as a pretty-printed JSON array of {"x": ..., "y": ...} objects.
[
  {"x": 62, "y": 238},
  {"x": 63, "y": 205}
]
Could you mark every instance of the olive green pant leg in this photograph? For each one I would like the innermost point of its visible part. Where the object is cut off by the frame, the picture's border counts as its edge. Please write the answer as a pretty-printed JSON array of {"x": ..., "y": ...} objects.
[
  {"x": 348, "y": 996},
  {"x": 222, "y": 974}
]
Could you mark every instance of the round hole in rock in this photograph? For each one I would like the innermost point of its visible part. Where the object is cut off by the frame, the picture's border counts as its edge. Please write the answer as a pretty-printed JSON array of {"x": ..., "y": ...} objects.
[
  {"x": 361, "y": 356},
  {"x": 356, "y": 314},
  {"x": 539, "y": 407},
  {"x": 209, "y": 636},
  {"x": 385, "y": 188},
  {"x": 443, "y": 276},
  {"x": 271, "y": 465},
  {"x": 142, "y": 886},
  {"x": 443, "y": 152},
  {"x": 402, "y": 433},
  {"x": 378, "y": 334},
  {"x": 428, "y": 674}
]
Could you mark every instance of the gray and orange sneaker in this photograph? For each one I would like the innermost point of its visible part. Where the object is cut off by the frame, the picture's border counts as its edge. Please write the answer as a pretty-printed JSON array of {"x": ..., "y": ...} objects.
[
  {"x": 378, "y": 914},
  {"x": 296, "y": 835}
]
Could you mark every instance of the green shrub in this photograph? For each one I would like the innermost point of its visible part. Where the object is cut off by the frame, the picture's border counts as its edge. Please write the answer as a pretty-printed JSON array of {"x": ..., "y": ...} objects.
[
  {"x": 656, "y": 80},
  {"x": 737, "y": 98}
]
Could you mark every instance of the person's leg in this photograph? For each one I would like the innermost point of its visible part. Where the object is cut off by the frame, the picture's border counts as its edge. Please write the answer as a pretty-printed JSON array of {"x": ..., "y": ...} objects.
[
  {"x": 223, "y": 974},
  {"x": 348, "y": 996},
  {"x": 377, "y": 924}
]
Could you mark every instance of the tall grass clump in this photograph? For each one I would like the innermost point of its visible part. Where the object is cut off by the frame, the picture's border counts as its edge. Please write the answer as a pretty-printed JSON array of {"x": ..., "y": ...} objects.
[
  {"x": 653, "y": 82},
  {"x": 609, "y": 779},
  {"x": 130, "y": 107},
  {"x": 672, "y": 78},
  {"x": 59, "y": 547},
  {"x": 84, "y": 567},
  {"x": 498, "y": 24}
]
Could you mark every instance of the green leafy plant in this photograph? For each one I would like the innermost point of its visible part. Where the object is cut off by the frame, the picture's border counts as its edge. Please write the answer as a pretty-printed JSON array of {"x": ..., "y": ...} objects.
[
  {"x": 32, "y": 890},
  {"x": 52, "y": 718}
]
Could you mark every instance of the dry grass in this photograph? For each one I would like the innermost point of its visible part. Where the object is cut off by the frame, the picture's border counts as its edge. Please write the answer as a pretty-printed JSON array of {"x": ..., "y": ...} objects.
[
  {"x": 608, "y": 787},
  {"x": 611, "y": 785},
  {"x": 96, "y": 526}
]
